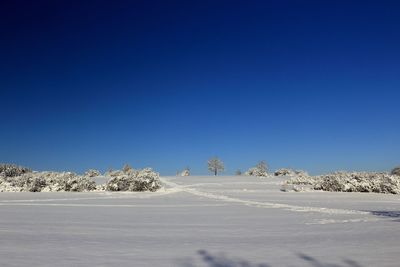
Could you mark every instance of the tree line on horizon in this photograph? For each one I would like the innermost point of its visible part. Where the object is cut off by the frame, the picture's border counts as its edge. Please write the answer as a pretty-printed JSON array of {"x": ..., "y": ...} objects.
[{"x": 215, "y": 165}]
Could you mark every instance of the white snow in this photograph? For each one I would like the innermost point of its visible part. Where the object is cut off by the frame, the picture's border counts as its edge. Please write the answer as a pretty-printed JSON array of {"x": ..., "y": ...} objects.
[{"x": 201, "y": 221}]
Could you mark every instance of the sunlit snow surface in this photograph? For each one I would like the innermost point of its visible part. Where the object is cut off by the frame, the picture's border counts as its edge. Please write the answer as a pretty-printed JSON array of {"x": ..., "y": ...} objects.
[{"x": 201, "y": 221}]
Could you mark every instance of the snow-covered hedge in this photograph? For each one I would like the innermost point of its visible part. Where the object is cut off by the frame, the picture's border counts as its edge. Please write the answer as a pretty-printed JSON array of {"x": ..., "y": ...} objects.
[
  {"x": 351, "y": 182},
  {"x": 11, "y": 170},
  {"x": 47, "y": 182},
  {"x": 260, "y": 170},
  {"x": 134, "y": 180}
]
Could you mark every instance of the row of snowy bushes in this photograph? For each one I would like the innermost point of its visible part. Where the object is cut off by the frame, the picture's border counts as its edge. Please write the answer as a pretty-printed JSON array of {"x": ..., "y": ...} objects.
[
  {"x": 47, "y": 182},
  {"x": 349, "y": 182},
  {"x": 14, "y": 178}
]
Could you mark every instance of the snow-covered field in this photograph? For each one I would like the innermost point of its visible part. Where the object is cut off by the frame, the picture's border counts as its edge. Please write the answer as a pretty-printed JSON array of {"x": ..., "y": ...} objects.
[{"x": 201, "y": 221}]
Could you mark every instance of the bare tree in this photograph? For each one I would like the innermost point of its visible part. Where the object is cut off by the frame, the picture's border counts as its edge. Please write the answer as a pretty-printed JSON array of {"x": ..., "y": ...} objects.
[
  {"x": 215, "y": 165},
  {"x": 262, "y": 166}
]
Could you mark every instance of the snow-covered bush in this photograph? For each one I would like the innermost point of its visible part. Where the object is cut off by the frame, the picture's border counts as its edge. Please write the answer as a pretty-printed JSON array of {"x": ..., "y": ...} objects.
[
  {"x": 359, "y": 182},
  {"x": 92, "y": 173},
  {"x": 185, "y": 172},
  {"x": 139, "y": 180},
  {"x": 390, "y": 184},
  {"x": 11, "y": 170},
  {"x": 302, "y": 180},
  {"x": 396, "y": 171},
  {"x": 351, "y": 182},
  {"x": 47, "y": 181},
  {"x": 260, "y": 170},
  {"x": 69, "y": 181},
  {"x": 283, "y": 172},
  {"x": 290, "y": 172},
  {"x": 238, "y": 172}
]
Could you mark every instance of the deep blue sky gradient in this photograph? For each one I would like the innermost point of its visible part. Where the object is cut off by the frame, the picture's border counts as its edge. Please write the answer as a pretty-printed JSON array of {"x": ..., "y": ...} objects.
[{"x": 168, "y": 84}]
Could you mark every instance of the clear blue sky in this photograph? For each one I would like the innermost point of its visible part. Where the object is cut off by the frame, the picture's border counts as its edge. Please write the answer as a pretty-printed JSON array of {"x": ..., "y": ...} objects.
[{"x": 304, "y": 84}]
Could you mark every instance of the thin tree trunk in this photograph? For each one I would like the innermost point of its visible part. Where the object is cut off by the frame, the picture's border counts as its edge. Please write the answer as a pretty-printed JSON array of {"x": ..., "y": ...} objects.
[{"x": 215, "y": 172}]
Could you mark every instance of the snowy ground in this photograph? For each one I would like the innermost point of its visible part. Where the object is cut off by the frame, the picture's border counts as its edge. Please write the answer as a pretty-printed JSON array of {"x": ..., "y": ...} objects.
[{"x": 201, "y": 221}]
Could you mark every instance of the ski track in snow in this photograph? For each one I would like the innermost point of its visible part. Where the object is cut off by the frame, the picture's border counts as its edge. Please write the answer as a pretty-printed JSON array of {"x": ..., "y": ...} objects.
[
  {"x": 293, "y": 208},
  {"x": 333, "y": 221},
  {"x": 112, "y": 205}
]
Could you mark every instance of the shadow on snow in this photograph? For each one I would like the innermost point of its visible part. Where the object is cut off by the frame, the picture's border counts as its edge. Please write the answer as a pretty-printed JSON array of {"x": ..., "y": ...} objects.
[
  {"x": 386, "y": 213},
  {"x": 211, "y": 260}
]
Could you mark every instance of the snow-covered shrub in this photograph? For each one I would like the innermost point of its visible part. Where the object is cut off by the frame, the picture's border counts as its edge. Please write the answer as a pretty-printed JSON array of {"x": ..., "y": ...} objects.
[
  {"x": 283, "y": 172},
  {"x": 92, "y": 173},
  {"x": 390, "y": 185},
  {"x": 302, "y": 180},
  {"x": 260, "y": 170},
  {"x": 351, "y": 182},
  {"x": 11, "y": 170},
  {"x": 359, "y": 182},
  {"x": 140, "y": 180},
  {"x": 27, "y": 182},
  {"x": 238, "y": 172},
  {"x": 47, "y": 181},
  {"x": 296, "y": 187},
  {"x": 396, "y": 171},
  {"x": 185, "y": 172},
  {"x": 69, "y": 181},
  {"x": 290, "y": 172}
]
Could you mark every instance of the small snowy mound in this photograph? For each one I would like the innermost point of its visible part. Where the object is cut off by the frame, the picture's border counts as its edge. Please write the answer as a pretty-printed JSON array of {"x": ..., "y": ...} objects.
[
  {"x": 134, "y": 180},
  {"x": 351, "y": 182},
  {"x": 47, "y": 182}
]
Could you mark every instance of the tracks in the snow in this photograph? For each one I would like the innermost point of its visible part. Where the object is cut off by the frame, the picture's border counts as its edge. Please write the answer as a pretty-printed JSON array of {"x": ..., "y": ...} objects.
[{"x": 367, "y": 217}]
